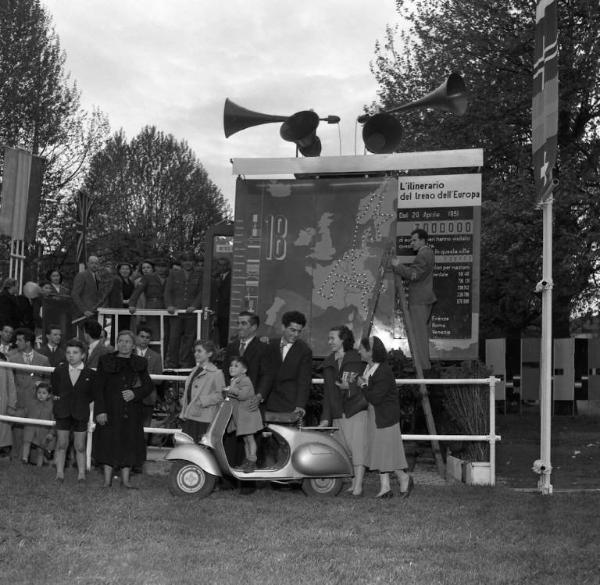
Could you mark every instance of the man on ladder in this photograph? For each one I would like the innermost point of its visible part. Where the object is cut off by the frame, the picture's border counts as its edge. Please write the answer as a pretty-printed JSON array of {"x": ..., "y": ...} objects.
[{"x": 421, "y": 297}]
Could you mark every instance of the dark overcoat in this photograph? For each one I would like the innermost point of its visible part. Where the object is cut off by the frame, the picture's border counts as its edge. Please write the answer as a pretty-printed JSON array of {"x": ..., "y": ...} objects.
[{"x": 120, "y": 442}]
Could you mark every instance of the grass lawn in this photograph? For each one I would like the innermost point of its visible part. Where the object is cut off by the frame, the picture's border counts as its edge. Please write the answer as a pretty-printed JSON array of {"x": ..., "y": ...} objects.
[
  {"x": 575, "y": 452},
  {"x": 441, "y": 535}
]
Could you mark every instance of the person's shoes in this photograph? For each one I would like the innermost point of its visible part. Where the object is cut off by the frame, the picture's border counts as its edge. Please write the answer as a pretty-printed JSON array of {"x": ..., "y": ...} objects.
[
  {"x": 60, "y": 479},
  {"x": 357, "y": 495},
  {"x": 409, "y": 489},
  {"x": 129, "y": 486},
  {"x": 249, "y": 467},
  {"x": 385, "y": 495}
]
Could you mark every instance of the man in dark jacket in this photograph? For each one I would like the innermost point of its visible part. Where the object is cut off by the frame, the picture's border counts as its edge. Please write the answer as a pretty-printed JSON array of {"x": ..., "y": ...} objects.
[
  {"x": 183, "y": 291},
  {"x": 291, "y": 359},
  {"x": 260, "y": 372}
]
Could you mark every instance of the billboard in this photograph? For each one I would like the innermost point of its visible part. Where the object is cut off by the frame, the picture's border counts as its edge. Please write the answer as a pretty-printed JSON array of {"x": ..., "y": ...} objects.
[{"x": 316, "y": 246}]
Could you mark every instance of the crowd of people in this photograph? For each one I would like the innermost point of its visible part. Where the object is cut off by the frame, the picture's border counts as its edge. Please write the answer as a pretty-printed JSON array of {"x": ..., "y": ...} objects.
[
  {"x": 275, "y": 376},
  {"x": 260, "y": 375}
]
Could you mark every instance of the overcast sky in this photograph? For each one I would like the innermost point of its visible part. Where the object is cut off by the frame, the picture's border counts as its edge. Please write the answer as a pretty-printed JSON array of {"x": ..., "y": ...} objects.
[{"x": 172, "y": 63}]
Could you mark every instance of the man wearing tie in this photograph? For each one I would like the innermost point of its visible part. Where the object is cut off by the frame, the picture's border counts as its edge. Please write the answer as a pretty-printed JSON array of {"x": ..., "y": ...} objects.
[
  {"x": 86, "y": 293},
  {"x": 51, "y": 349},
  {"x": 291, "y": 360},
  {"x": 25, "y": 380},
  {"x": 260, "y": 372},
  {"x": 255, "y": 352}
]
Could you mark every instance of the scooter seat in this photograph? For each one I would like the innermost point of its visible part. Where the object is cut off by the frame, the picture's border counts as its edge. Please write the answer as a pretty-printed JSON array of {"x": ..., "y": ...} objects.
[{"x": 280, "y": 417}]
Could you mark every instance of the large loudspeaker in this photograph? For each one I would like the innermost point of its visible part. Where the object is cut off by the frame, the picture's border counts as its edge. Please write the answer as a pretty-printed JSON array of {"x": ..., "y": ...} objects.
[
  {"x": 299, "y": 128},
  {"x": 236, "y": 118},
  {"x": 382, "y": 132}
]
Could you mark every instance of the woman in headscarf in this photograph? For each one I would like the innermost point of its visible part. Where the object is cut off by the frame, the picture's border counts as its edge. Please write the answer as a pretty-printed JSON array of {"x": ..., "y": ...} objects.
[{"x": 385, "y": 447}]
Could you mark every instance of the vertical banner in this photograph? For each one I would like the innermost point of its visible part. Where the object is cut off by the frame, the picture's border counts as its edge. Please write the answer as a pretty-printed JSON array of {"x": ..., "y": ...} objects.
[
  {"x": 544, "y": 116},
  {"x": 448, "y": 208},
  {"x": 15, "y": 190},
  {"x": 34, "y": 195},
  {"x": 21, "y": 192}
]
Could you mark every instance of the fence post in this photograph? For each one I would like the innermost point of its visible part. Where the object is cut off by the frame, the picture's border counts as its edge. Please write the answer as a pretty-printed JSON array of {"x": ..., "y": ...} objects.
[
  {"x": 88, "y": 444},
  {"x": 493, "y": 430}
]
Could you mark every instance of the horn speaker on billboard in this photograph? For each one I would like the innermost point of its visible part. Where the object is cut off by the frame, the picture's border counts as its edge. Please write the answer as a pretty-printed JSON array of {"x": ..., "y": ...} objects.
[
  {"x": 299, "y": 128},
  {"x": 382, "y": 132}
]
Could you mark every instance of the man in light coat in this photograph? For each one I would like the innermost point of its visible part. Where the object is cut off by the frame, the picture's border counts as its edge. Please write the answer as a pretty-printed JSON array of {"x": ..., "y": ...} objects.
[{"x": 421, "y": 298}]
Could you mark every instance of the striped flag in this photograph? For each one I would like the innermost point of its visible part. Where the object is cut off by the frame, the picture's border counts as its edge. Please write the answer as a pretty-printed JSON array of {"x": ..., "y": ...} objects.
[
  {"x": 84, "y": 205},
  {"x": 544, "y": 119},
  {"x": 20, "y": 194}
]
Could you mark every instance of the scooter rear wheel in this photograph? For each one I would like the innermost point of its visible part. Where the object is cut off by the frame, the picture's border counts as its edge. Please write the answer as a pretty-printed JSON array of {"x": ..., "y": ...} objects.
[
  {"x": 187, "y": 479},
  {"x": 322, "y": 487}
]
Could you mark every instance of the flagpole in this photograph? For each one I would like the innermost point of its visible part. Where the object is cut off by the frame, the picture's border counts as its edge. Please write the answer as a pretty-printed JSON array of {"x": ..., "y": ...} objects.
[
  {"x": 545, "y": 286},
  {"x": 544, "y": 147}
]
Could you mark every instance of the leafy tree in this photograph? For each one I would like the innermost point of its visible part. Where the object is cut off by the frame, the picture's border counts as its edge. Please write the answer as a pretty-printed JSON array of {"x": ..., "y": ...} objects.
[
  {"x": 491, "y": 43},
  {"x": 40, "y": 109},
  {"x": 149, "y": 195}
]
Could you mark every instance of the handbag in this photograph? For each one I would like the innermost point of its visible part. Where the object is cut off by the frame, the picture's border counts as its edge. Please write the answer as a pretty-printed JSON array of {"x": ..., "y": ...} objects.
[{"x": 353, "y": 399}]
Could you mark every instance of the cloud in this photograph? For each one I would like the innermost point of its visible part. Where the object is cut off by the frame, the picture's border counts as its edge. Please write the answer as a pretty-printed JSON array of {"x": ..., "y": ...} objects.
[{"x": 172, "y": 64}]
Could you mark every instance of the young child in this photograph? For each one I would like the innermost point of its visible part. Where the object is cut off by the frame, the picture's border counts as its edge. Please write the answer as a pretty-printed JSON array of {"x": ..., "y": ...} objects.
[
  {"x": 244, "y": 421},
  {"x": 202, "y": 393},
  {"x": 38, "y": 436},
  {"x": 72, "y": 384}
]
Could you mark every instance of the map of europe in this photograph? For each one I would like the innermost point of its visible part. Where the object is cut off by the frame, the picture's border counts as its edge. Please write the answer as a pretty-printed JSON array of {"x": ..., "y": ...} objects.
[{"x": 321, "y": 250}]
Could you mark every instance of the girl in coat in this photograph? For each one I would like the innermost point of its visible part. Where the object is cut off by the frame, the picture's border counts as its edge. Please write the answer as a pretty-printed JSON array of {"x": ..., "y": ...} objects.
[
  {"x": 386, "y": 451},
  {"x": 245, "y": 422},
  {"x": 202, "y": 393}
]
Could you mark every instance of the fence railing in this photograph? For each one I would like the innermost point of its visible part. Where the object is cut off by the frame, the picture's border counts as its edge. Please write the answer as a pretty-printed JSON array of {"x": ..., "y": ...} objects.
[{"x": 492, "y": 438}]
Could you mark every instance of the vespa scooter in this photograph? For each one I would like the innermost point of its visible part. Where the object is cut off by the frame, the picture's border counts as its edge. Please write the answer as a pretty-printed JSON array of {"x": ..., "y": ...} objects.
[{"x": 308, "y": 455}]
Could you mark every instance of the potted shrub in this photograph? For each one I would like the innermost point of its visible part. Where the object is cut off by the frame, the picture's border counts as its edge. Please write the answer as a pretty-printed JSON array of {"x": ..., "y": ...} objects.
[{"x": 468, "y": 411}]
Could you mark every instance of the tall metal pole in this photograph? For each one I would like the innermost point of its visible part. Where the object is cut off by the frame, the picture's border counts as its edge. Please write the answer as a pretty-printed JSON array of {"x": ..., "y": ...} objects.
[{"x": 545, "y": 286}]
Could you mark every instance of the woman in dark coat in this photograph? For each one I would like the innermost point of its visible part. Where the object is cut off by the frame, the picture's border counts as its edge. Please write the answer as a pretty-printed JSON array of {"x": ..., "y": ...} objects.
[
  {"x": 344, "y": 405},
  {"x": 386, "y": 451},
  {"x": 120, "y": 292},
  {"x": 122, "y": 382}
]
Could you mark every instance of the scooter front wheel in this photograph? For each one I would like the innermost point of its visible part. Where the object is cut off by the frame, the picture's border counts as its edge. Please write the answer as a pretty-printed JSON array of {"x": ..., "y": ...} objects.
[
  {"x": 322, "y": 487},
  {"x": 187, "y": 479}
]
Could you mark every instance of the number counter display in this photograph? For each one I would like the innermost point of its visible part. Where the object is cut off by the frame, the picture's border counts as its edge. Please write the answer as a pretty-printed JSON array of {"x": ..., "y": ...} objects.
[{"x": 448, "y": 208}]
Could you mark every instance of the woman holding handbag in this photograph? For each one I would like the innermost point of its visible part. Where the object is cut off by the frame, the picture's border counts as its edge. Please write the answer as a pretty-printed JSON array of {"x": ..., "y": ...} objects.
[
  {"x": 386, "y": 450},
  {"x": 343, "y": 402}
]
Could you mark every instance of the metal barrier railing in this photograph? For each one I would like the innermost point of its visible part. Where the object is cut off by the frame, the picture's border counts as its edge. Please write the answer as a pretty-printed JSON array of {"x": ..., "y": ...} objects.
[
  {"x": 109, "y": 316},
  {"x": 492, "y": 438}
]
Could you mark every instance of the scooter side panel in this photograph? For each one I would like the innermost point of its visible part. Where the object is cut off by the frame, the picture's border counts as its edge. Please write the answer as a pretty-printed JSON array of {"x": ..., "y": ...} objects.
[
  {"x": 196, "y": 454},
  {"x": 316, "y": 454}
]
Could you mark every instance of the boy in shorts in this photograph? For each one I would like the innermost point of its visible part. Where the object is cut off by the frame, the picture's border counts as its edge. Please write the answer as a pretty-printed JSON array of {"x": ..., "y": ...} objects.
[{"x": 72, "y": 385}]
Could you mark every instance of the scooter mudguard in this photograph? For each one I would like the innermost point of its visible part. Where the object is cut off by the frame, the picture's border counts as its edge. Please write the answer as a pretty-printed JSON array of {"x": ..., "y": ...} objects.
[
  {"x": 196, "y": 454},
  {"x": 320, "y": 459}
]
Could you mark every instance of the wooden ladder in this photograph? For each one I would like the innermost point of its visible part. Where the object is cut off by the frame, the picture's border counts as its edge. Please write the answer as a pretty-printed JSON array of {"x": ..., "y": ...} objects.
[{"x": 401, "y": 296}]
